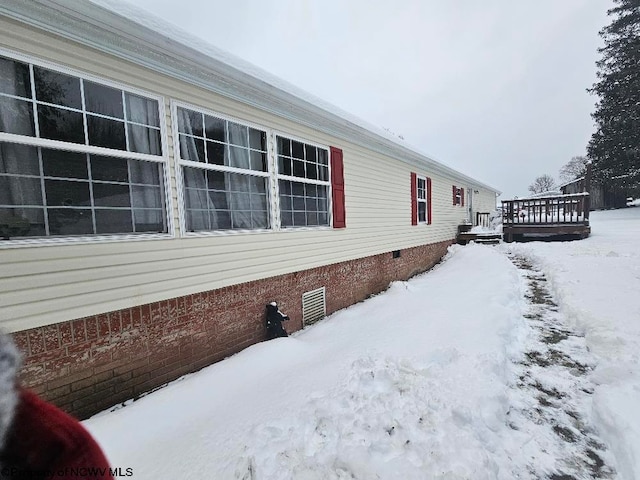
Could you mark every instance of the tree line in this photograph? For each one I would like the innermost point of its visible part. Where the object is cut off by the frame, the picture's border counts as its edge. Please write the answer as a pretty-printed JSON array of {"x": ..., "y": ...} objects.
[{"x": 614, "y": 147}]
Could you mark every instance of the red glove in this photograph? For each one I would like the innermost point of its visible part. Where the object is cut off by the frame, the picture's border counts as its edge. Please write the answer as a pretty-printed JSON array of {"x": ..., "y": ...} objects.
[{"x": 50, "y": 444}]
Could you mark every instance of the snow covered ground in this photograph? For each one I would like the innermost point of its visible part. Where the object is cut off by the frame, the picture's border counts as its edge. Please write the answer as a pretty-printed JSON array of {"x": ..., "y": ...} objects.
[
  {"x": 445, "y": 376},
  {"x": 597, "y": 284}
]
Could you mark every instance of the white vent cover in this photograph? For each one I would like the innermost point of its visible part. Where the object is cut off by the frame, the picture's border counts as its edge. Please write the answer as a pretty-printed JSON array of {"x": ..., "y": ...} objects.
[{"x": 314, "y": 306}]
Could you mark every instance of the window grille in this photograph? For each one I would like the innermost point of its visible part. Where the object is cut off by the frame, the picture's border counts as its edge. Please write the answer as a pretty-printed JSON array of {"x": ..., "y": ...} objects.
[{"x": 77, "y": 157}]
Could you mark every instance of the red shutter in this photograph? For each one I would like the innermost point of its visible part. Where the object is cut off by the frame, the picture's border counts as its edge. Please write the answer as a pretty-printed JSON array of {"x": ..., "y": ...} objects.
[
  {"x": 462, "y": 197},
  {"x": 337, "y": 188},
  {"x": 429, "y": 201},
  {"x": 454, "y": 194},
  {"x": 414, "y": 199}
]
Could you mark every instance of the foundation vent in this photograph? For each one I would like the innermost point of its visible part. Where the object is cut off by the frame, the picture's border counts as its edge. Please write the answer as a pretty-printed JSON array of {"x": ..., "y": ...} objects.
[{"x": 314, "y": 306}]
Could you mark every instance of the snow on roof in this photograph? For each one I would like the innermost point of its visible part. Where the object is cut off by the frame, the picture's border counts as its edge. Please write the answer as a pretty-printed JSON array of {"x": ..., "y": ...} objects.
[
  {"x": 162, "y": 27},
  {"x": 173, "y": 32},
  {"x": 126, "y": 31},
  {"x": 570, "y": 182},
  {"x": 545, "y": 195},
  {"x": 548, "y": 193}
]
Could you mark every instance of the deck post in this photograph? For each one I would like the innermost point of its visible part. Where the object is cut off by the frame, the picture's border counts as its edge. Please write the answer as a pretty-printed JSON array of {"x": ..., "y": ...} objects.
[{"x": 587, "y": 188}]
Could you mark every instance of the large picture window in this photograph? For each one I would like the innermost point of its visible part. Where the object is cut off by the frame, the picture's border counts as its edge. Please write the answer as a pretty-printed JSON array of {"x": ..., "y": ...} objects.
[
  {"x": 225, "y": 173},
  {"x": 49, "y": 190},
  {"x": 303, "y": 181}
]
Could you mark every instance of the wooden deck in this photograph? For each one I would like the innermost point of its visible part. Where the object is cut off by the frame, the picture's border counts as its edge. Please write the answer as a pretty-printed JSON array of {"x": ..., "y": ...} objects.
[{"x": 562, "y": 217}]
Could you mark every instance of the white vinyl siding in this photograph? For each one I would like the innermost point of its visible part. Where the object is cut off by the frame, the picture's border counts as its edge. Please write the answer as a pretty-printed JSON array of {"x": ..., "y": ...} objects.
[
  {"x": 484, "y": 201},
  {"x": 48, "y": 284}
]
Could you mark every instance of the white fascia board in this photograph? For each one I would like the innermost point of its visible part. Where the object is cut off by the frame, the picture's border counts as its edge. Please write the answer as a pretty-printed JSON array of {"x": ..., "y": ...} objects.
[{"x": 107, "y": 29}]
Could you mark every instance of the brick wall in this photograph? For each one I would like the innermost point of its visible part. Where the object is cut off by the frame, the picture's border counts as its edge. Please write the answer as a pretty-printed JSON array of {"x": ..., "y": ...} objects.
[{"x": 89, "y": 364}]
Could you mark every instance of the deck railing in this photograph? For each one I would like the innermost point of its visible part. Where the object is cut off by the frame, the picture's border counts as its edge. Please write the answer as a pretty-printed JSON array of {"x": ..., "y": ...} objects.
[
  {"x": 482, "y": 219},
  {"x": 558, "y": 210}
]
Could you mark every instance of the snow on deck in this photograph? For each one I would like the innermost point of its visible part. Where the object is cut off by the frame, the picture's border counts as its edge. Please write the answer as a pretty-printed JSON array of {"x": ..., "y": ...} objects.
[{"x": 415, "y": 383}]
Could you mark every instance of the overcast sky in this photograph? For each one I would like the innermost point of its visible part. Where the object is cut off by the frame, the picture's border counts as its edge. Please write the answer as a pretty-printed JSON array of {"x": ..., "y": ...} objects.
[{"x": 493, "y": 88}]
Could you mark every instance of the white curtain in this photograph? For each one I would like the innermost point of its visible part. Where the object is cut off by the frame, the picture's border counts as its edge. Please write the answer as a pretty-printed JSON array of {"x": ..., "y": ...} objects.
[
  {"x": 195, "y": 180},
  {"x": 148, "y": 201},
  {"x": 240, "y": 186},
  {"x": 16, "y": 191},
  {"x": 19, "y": 191},
  {"x": 241, "y": 192},
  {"x": 143, "y": 139}
]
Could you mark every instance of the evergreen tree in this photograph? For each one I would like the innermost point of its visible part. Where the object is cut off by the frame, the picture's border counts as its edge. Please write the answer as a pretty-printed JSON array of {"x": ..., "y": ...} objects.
[{"x": 615, "y": 146}]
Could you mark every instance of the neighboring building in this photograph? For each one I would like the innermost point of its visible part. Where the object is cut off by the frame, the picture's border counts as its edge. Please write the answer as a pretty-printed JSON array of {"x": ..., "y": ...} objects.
[
  {"x": 156, "y": 195},
  {"x": 601, "y": 197},
  {"x": 548, "y": 193}
]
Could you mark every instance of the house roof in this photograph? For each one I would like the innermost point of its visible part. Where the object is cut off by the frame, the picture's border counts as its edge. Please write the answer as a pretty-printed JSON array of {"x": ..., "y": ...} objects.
[
  {"x": 548, "y": 193},
  {"x": 107, "y": 26},
  {"x": 575, "y": 180}
]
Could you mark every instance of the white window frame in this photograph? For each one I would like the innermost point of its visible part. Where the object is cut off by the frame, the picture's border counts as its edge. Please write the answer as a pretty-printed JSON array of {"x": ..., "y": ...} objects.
[
  {"x": 93, "y": 150},
  {"x": 179, "y": 163},
  {"x": 424, "y": 200},
  {"x": 273, "y": 194},
  {"x": 278, "y": 176}
]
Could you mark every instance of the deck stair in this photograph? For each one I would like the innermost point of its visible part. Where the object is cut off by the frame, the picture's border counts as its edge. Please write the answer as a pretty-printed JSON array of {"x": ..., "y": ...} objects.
[{"x": 485, "y": 238}]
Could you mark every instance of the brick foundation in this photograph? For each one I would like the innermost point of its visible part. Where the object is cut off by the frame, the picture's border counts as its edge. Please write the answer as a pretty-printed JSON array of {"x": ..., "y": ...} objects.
[{"x": 89, "y": 364}]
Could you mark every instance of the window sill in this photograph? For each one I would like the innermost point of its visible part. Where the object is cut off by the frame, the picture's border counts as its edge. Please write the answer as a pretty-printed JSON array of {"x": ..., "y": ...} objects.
[
  {"x": 305, "y": 229},
  {"x": 64, "y": 241},
  {"x": 224, "y": 233}
]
